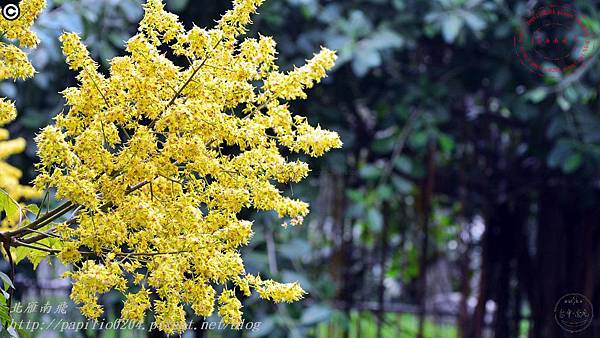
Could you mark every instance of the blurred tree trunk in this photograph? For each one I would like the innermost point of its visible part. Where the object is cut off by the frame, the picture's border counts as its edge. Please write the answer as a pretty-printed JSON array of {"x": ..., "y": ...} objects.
[
  {"x": 342, "y": 260},
  {"x": 505, "y": 222},
  {"x": 464, "y": 326},
  {"x": 425, "y": 203},
  {"x": 551, "y": 263},
  {"x": 566, "y": 255},
  {"x": 479, "y": 312},
  {"x": 382, "y": 259}
]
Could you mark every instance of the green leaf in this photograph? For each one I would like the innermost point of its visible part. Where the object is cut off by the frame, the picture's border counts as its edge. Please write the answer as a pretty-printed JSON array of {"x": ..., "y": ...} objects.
[
  {"x": 13, "y": 333},
  {"x": 267, "y": 326},
  {"x": 8, "y": 204},
  {"x": 4, "y": 317},
  {"x": 451, "y": 27},
  {"x": 177, "y": 5},
  {"x": 560, "y": 153},
  {"x": 370, "y": 172},
  {"x": 399, "y": 4},
  {"x": 315, "y": 314},
  {"x": 572, "y": 163},
  {"x": 6, "y": 280},
  {"x": 19, "y": 253},
  {"x": 401, "y": 184},
  {"x": 356, "y": 196},
  {"x": 446, "y": 143},
  {"x": 403, "y": 163},
  {"x": 295, "y": 249},
  {"x": 7, "y": 323},
  {"x": 473, "y": 21},
  {"x": 563, "y": 103},
  {"x": 419, "y": 139},
  {"x": 33, "y": 208},
  {"x": 357, "y": 25},
  {"x": 365, "y": 60},
  {"x": 36, "y": 257},
  {"x": 21, "y": 331},
  {"x": 385, "y": 192},
  {"x": 383, "y": 39},
  {"x": 375, "y": 220}
]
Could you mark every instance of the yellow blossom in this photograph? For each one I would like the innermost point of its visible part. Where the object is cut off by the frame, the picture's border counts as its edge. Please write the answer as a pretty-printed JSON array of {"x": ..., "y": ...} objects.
[
  {"x": 15, "y": 65},
  {"x": 91, "y": 280},
  {"x": 160, "y": 159},
  {"x": 279, "y": 292},
  {"x": 170, "y": 316},
  {"x": 69, "y": 253},
  {"x": 19, "y": 29},
  {"x": 230, "y": 308},
  {"x": 136, "y": 305},
  {"x": 200, "y": 295}
]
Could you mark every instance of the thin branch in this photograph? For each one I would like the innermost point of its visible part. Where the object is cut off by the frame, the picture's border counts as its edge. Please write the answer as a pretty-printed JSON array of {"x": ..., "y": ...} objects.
[
  {"x": 150, "y": 254},
  {"x": 18, "y": 243},
  {"x": 40, "y": 222},
  {"x": 196, "y": 70},
  {"x": 41, "y": 235},
  {"x": 170, "y": 179},
  {"x": 43, "y": 201},
  {"x": 58, "y": 212}
]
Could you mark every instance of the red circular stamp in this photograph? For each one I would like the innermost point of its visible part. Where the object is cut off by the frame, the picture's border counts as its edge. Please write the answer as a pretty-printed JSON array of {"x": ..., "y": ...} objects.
[{"x": 553, "y": 40}]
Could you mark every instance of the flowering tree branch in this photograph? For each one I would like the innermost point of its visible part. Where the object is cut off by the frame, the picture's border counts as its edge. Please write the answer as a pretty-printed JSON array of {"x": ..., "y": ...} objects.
[{"x": 157, "y": 161}]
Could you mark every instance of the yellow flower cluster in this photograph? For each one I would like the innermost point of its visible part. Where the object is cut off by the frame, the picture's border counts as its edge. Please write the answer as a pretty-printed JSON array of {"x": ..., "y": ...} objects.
[
  {"x": 10, "y": 175},
  {"x": 14, "y": 64},
  {"x": 230, "y": 309},
  {"x": 20, "y": 29},
  {"x": 94, "y": 279},
  {"x": 136, "y": 305},
  {"x": 13, "y": 61},
  {"x": 162, "y": 154},
  {"x": 278, "y": 292}
]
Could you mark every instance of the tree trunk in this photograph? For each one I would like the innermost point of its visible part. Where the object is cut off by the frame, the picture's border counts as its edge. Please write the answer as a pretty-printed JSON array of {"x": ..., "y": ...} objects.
[
  {"x": 479, "y": 312},
  {"x": 426, "y": 201},
  {"x": 382, "y": 259}
]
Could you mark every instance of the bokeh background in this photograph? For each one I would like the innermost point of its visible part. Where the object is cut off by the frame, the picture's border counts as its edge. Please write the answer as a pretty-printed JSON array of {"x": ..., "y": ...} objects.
[{"x": 464, "y": 203}]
